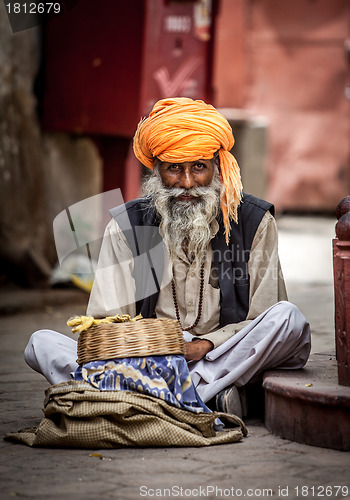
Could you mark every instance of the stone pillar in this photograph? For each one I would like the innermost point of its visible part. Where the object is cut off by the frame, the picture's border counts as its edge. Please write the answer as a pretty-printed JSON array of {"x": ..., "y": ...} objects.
[{"x": 341, "y": 264}]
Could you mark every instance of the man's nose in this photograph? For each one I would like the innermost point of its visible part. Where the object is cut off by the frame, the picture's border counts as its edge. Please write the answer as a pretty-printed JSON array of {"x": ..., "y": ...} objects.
[{"x": 187, "y": 180}]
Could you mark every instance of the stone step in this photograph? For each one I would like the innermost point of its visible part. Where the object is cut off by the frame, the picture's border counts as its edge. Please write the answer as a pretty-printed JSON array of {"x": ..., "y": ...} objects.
[{"x": 309, "y": 406}]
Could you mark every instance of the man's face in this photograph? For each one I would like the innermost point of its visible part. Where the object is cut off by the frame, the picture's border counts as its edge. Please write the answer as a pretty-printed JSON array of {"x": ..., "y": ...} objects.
[
  {"x": 186, "y": 175},
  {"x": 186, "y": 197}
]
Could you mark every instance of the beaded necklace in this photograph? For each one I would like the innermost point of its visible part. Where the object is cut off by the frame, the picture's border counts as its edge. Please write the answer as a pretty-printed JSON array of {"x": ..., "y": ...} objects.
[{"x": 200, "y": 303}]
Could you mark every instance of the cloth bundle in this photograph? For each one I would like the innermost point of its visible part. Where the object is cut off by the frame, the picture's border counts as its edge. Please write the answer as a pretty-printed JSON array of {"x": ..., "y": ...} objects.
[
  {"x": 165, "y": 377},
  {"x": 80, "y": 416}
]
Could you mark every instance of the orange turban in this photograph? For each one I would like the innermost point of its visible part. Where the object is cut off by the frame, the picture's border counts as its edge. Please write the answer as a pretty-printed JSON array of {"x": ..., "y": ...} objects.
[{"x": 180, "y": 129}]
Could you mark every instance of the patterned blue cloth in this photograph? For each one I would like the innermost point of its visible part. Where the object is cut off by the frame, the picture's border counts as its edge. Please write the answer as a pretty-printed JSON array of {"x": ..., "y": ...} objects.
[{"x": 165, "y": 377}]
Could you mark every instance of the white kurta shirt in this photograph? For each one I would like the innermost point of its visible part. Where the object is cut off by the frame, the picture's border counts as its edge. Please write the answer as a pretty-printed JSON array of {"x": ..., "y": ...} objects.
[{"x": 113, "y": 290}]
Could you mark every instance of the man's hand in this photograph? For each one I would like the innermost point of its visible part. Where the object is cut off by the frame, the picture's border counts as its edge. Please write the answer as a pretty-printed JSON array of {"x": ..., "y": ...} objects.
[{"x": 197, "y": 349}]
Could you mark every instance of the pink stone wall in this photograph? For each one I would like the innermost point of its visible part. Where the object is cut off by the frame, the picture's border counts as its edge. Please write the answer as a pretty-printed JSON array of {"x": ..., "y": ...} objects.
[{"x": 293, "y": 69}]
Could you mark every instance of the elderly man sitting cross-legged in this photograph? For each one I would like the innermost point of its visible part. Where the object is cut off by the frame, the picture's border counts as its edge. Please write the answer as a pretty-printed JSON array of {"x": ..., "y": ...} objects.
[{"x": 196, "y": 249}]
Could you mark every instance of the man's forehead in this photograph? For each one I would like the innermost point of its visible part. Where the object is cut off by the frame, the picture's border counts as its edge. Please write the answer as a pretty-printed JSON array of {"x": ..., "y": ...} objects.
[{"x": 158, "y": 161}]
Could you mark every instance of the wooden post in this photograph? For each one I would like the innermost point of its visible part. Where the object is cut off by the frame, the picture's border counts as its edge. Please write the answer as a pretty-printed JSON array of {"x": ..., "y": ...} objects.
[{"x": 341, "y": 266}]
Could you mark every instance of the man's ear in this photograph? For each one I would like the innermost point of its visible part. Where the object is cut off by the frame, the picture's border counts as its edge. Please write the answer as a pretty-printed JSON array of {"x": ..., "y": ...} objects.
[
  {"x": 216, "y": 160},
  {"x": 156, "y": 163}
]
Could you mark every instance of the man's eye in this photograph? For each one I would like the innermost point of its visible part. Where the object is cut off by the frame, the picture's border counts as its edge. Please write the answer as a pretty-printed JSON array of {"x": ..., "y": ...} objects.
[
  {"x": 200, "y": 166},
  {"x": 174, "y": 166}
]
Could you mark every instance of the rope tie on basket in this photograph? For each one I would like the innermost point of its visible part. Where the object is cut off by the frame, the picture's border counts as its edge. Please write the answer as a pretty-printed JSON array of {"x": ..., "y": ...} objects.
[{"x": 81, "y": 323}]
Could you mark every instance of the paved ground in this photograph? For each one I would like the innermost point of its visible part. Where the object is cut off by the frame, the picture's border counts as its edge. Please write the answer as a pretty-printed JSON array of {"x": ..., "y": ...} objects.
[{"x": 262, "y": 465}]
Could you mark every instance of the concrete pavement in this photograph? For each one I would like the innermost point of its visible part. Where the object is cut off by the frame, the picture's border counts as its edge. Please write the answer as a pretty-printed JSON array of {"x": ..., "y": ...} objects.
[{"x": 262, "y": 465}]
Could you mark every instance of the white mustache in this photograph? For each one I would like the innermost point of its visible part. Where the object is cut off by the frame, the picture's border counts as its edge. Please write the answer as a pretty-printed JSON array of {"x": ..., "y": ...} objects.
[{"x": 195, "y": 192}]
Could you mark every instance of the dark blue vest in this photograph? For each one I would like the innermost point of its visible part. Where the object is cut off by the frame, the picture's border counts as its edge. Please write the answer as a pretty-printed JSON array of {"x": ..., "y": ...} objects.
[{"x": 139, "y": 222}]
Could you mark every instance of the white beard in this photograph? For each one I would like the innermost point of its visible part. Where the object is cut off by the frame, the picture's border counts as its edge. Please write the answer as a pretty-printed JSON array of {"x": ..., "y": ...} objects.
[{"x": 185, "y": 225}]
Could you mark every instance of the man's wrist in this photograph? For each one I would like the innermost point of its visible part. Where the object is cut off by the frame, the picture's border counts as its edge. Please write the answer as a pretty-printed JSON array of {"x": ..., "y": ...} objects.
[
  {"x": 201, "y": 339},
  {"x": 209, "y": 342},
  {"x": 196, "y": 350}
]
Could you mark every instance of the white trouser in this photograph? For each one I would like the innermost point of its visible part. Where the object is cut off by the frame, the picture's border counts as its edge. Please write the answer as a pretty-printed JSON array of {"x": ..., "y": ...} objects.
[{"x": 278, "y": 338}]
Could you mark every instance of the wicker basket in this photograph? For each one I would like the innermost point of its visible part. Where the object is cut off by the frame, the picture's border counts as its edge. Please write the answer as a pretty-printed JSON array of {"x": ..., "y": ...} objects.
[{"x": 145, "y": 337}]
